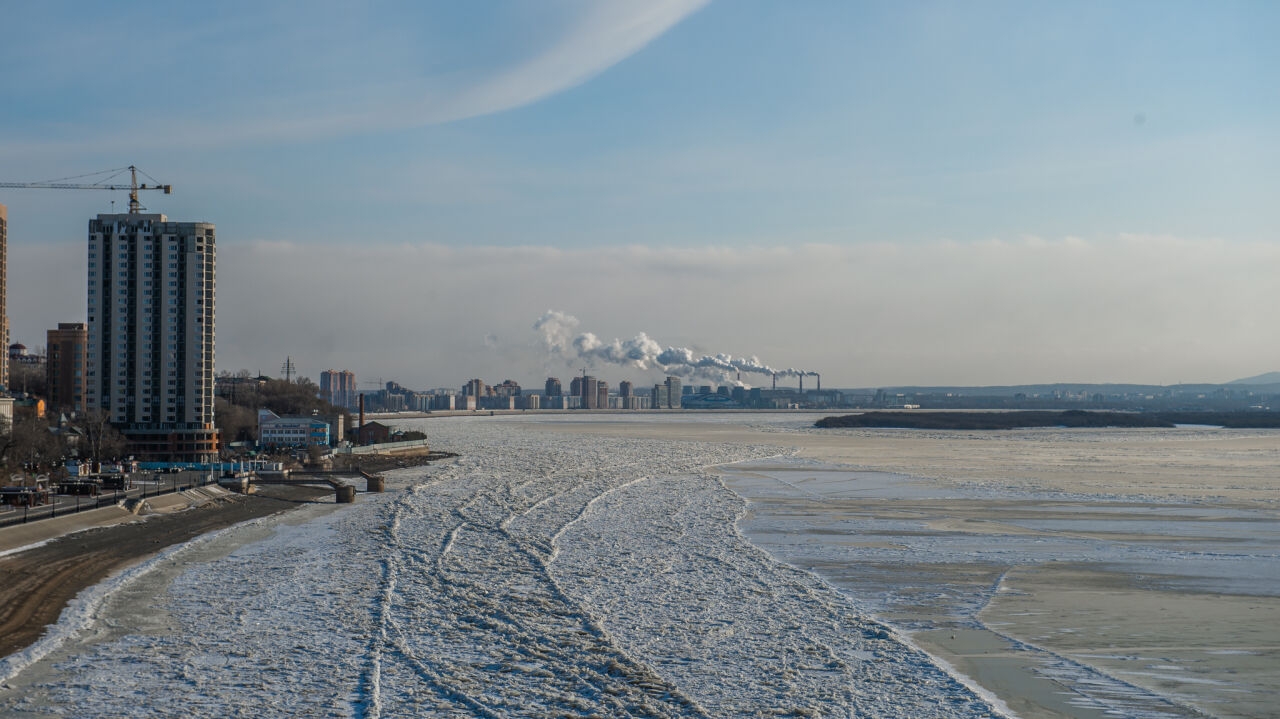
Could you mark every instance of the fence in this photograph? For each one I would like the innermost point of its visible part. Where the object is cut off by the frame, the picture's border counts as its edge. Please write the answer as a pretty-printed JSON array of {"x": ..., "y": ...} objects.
[
  {"x": 384, "y": 448},
  {"x": 167, "y": 485}
]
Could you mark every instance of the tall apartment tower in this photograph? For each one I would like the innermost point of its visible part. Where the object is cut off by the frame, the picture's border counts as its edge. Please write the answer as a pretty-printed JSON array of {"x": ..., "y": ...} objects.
[
  {"x": 590, "y": 389},
  {"x": 149, "y": 362},
  {"x": 64, "y": 366},
  {"x": 338, "y": 387},
  {"x": 4, "y": 293}
]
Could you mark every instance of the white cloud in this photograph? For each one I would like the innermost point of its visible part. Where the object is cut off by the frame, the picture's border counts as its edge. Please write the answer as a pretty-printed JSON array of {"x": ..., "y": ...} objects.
[
  {"x": 605, "y": 35},
  {"x": 1131, "y": 308},
  {"x": 368, "y": 80}
]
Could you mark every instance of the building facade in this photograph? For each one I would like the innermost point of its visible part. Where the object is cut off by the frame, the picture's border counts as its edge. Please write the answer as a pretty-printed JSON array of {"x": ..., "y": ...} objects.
[
  {"x": 589, "y": 391},
  {"x": 275, "y": 431},
  {"x": 667, "y": 395},
  {"x": 4, "y": 293},
  {"x": 150, "y": 357},
  {"x": 338, "y": 388},
  {"x": 64, "y": 366}
]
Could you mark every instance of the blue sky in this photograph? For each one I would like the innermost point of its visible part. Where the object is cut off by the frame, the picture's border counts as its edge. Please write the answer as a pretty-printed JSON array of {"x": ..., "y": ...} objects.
[{"x": 746, "y": 170}]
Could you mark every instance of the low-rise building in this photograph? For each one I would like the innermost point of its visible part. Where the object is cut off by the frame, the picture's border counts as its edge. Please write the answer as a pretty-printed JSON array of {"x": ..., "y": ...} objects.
[
  {"x": 277, "y": 431},
  {"x": 373, "y": 433}
]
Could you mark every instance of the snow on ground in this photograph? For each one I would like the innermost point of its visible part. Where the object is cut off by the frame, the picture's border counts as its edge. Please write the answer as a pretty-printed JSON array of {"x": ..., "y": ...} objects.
[{"x": 536, "y": 576}]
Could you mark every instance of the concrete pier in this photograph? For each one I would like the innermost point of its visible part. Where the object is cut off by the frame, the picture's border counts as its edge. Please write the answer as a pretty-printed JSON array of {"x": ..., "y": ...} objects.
[{"x": 374, "y": 482}]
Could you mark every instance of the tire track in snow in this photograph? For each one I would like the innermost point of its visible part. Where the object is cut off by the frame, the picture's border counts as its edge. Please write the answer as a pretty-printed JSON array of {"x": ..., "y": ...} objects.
[{"x": 494, "y": 599}]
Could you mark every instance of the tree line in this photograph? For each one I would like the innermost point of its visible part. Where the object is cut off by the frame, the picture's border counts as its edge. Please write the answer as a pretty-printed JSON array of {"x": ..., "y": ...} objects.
[{"x": 34, "y": 444}]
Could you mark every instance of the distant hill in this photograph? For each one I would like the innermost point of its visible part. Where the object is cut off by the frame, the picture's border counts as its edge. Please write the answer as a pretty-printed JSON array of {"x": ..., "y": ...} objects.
[{"x": 1268, "y": 378}]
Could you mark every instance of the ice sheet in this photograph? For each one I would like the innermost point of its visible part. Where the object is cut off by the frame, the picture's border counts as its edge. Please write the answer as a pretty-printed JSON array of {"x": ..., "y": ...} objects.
[{"x": 537, "y": 575}]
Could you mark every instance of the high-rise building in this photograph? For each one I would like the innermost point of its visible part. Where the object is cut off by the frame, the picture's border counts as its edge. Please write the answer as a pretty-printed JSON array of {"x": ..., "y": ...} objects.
[
  {"x": 338, "y": 388},
  {"x": 590, "y": 388},
  {"x": 602, "y": 395},
  {"x": 64, "y": 366},
  {"x": 149, "y": 359},
  {"x": 508, "y": 388},
  {"x": 553, "y": 387},
  {"x": 624, "y": 388},
  {"x": 673, "y": 392},
  {"x": 4, "y": 293}
]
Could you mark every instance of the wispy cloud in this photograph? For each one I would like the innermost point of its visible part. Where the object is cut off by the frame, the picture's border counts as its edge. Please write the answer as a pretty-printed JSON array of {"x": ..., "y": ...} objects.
[
  {"x": 313, "y": 99},
  {"x": 608, "y": 33}
]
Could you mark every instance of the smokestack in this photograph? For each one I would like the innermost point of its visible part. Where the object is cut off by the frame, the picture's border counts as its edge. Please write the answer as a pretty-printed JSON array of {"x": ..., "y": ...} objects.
[
  {"x": 802, "y": 383},
  {"x": 815, "y": 374},
  {"x": 358, "y": 426},
  {"x": 775, "y": 380}
]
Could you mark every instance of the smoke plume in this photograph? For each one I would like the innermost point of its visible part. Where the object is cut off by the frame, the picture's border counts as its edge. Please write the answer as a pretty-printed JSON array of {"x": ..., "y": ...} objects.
[{"x": 560, "y": 333}]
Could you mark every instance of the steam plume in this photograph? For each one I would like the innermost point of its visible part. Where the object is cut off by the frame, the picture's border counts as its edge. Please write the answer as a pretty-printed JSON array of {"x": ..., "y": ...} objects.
[{"x": 559, "y": 332}]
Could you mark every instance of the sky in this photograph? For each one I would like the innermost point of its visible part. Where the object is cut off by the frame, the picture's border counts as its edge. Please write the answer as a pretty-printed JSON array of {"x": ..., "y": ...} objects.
[{"x": 927, "y": 193}]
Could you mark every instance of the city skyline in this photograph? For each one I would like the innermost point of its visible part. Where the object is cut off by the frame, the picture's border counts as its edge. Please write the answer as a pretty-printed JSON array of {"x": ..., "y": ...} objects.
[{"x": 934, "y": 194}]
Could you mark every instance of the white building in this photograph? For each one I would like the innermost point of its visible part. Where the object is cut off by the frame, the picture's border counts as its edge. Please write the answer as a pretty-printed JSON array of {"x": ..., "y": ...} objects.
[
  {"x": 276, "y": 431},
  {"x": 149, "y": 363}
]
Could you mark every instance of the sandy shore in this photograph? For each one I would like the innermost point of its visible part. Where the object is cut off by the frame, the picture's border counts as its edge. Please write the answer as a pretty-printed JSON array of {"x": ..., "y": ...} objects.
[
  {"x": 76, "y": 552},
  {"x": 1212, "y": 651}
]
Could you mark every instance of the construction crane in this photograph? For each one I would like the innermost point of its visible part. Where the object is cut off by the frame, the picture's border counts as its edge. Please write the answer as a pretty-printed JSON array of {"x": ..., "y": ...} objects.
[{"x": 105, "y": 184}]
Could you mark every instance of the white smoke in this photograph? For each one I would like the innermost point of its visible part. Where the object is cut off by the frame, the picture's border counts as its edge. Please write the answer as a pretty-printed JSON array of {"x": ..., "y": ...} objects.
[{"x": 559, "y": 333}]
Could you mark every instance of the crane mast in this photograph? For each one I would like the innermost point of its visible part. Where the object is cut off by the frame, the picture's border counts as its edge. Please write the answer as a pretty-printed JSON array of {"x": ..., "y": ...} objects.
[{"x": 133, "y": 187}]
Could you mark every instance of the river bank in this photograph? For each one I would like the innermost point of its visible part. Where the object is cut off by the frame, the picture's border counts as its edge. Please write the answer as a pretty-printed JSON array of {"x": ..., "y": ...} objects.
[{"x": 65, "y": 556}]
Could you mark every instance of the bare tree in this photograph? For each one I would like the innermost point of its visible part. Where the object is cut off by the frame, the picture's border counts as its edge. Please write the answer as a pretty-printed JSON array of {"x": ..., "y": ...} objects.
[
  {"x": 31, "y": 444},
  {"x": 103, "y": 439}
]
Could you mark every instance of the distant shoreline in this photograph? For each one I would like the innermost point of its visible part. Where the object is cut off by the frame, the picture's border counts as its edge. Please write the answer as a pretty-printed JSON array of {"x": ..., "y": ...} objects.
[{"x": 925, "y": 419}]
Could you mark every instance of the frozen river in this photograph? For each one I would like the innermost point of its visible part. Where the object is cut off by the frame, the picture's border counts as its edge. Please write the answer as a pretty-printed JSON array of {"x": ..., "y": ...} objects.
[{"x": 539, "y": 575}]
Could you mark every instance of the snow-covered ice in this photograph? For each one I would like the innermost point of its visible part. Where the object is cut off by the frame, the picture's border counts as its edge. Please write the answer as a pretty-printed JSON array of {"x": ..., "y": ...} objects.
[{"x": 538, "y": 575}]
